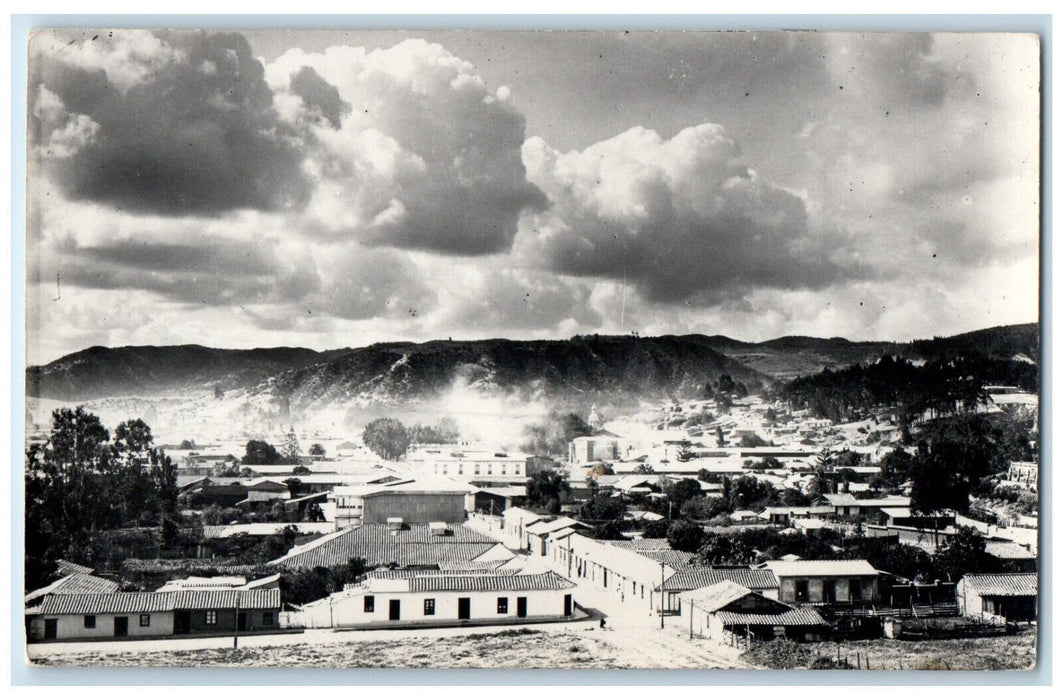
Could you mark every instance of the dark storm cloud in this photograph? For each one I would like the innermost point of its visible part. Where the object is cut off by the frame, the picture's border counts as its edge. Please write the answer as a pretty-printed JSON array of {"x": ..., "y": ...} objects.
[
  {"x": 203, "y": 272},
  {"x": 683, "y": 219},
  {"x": 320, "y": 94},
  {"x": 181, "y": 125}
]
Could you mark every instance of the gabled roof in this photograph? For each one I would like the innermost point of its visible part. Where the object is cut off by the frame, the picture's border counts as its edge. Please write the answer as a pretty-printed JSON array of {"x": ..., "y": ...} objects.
[
  {"x": 1006, "y": 549},
  {"x": 718, "y": 595},
  {"x": 97, "y": 603},
  {"x": 490, "y": 582},
  {"x": 822, "y": 567},
  {"x": 701, "y": 577},
  {"x": 799, "y": 617},
  {"x": 74, "y": 584},
  {"x": 1002, "y": 584},
  {"x": 414, "y": 545},
  {"x": 545, "y": 526},
  {"x": 65, "y": 568}
]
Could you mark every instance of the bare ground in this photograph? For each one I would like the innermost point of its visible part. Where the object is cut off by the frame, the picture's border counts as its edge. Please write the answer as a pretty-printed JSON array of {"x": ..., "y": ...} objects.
[{"x": 520, "y": 648}]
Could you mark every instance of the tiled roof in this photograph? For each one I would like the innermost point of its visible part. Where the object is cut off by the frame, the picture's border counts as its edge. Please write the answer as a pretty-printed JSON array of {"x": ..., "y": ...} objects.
[
  {"x": 1004, "y": 549},
  {"x": 670, "y": 557},
  {"x": 68, "y": 567},
  {"x": 487, "y": 582},
  {"x": 646, "y": 544},
  {"x": 411, "y": 546},
  {"x": 75, "y": 583},
  {"x": 700, "y": 577},
  {"x": 1003, "y": 584},
  {"x": 796, "y": 617},
  {"x": 89, "y": 604}
]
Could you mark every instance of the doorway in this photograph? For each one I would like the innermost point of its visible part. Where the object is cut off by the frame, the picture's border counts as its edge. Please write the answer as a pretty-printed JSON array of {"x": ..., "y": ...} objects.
[
  {"x": 51, "y": 629},
  {"x": 568, "y": 605},
  {"x": 463, "y": 608},
  {"x": 393, "y": 609},
  {"x": 522, "y": 607},
  {"x": 121, "y": 626}
]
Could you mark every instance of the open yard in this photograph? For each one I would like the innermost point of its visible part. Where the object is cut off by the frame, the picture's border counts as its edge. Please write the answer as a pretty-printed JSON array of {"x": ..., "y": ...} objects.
[
  {"x": 581, "y": 647},
  {"x": 1010, "y": 652}
]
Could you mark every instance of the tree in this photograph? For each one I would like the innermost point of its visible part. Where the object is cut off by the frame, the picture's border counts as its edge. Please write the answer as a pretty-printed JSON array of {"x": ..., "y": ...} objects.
[
  {"x": 79, "y": 483},
  {"x": 300, "y": 470},
  {"x": 655, "y": 529},
  {"x": 685, "y": 536},
  {"x": 317, "y": 450},
  {"x": 644, "y": 469},
  {"x": 965, "y": 554},
  {"x": 291, "y": 447},
  {"x": 609, "y": 530},
  {"x": 601, "y": 507},
  {"x": 722, "y": 550},
  {"x": 681, "y": 491},
  {"x": 545, "y": 489},
  {"x": 753, "y": 440},
  {"x": 187, "y": 445},
  {"x": 387, "y": 438},
  {"x": 260, "y": 452}
]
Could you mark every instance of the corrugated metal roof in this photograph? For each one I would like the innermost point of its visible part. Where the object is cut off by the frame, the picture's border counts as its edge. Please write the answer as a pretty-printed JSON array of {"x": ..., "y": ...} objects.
[
  {"x": 1003, "y": 584},
  {"x": 90, "y": 604},
  {"x": 716, "y": 596},
  {"x": 822, "y": 567},
  {"x": 411, "y": 546},
  {"x": 700, "y": 577},
  {"x": 794, "y": 618},
  {"x": 487, "y": 582}
]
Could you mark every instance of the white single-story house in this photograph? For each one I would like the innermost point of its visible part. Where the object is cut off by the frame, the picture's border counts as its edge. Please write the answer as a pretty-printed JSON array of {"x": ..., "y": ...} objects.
[{"x": 423, "y": 598}]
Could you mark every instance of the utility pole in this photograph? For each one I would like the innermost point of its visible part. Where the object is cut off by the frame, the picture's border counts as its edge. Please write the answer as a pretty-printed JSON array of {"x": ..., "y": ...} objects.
[
  {"x": 662, "y": 595},
  {"x": 236, "y": 621}
]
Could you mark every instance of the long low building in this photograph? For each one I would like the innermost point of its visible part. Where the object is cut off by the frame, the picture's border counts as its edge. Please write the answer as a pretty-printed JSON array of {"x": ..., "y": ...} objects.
[
  {"x": 83, "y": 616},
  {"x": 397, "y": 543},
  {"x": 441, "y": 599}
]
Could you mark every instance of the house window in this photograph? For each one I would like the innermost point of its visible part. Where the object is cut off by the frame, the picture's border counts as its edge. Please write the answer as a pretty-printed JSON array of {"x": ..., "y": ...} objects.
[
  {"x": 800, "y": 590},
  {"x": 211, "y": 617},
  {"x": 267, "y": 619},
  {"x": 855, "y": 590},
  {"x": 145, "y": 620},
  {"x": 370, "y": 603},
  {"x": 503, "y": 606},
  {"x": 90, "y": 622},
  {"x": 429, "y": 606}
]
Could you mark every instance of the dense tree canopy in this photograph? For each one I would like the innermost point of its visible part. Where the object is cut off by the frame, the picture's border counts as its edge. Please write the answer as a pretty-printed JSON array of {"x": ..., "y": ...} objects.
[
  {"x": 387, "y": 438},
  {"x": 79, "y": 482},
  {"x": 545, "y": 489}
]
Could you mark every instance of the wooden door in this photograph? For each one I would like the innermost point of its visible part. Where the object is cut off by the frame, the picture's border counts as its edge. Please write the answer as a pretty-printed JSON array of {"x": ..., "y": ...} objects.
[{"x": 121, "y": 626}]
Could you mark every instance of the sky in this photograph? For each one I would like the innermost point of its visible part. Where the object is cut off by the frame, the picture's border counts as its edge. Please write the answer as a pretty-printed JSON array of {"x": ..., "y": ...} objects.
[{"x": 336, "y": 189}]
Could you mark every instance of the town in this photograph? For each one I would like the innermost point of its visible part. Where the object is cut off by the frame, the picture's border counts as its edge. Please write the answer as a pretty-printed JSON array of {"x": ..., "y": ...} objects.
[{"x": 741, "y": 530}]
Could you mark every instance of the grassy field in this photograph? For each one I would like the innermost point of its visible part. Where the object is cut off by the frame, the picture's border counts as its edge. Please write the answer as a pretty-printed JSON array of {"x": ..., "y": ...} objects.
[{"x": 1011, "y": 652}]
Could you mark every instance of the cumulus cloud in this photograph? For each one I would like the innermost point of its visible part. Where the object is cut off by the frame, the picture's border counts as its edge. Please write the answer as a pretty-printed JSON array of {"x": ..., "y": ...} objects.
[
  {"x": 427, "y": 158},
  {"x": 168, "y": 123},
  {"x": 682, "y": 218}
]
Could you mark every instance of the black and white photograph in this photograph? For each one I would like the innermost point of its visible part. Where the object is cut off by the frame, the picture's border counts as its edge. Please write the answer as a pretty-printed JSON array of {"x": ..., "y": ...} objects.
[{"x": 484, "y": 349}]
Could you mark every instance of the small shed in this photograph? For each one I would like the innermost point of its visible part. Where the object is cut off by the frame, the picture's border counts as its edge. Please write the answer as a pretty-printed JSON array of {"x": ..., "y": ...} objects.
[
  {"x": 1012, "y": 597},
  {"x": 731, "y": 613}
]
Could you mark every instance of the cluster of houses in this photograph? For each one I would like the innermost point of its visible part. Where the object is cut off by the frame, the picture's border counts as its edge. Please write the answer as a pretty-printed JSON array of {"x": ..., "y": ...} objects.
[{"x": 447, "y": 541}]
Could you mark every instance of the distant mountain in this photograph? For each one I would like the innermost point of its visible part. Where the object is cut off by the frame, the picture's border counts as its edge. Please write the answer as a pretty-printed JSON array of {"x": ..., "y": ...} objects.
[
  {"x": 583, "y": 366},
  {"x": 1000, "y": 343},
  {"x": 137, "y": 370}
]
